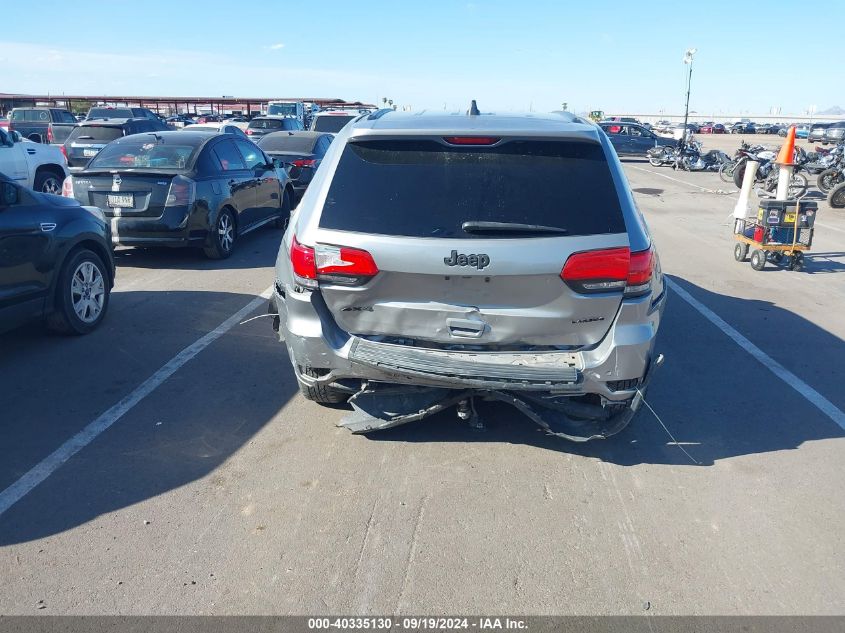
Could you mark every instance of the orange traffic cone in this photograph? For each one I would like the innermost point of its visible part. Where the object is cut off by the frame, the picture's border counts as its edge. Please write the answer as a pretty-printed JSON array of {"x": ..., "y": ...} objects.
[
  {"x": 785, "y": 161},
  {"x": 786, "y": 156}
]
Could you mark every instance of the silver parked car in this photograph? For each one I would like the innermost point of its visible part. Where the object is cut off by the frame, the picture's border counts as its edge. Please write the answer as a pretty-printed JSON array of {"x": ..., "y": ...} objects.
[{"x": 440, "y": 258}]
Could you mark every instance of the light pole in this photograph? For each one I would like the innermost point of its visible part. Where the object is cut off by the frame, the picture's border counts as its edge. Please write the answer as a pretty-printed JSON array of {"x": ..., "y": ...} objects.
[{"x": 687, "y": 60}]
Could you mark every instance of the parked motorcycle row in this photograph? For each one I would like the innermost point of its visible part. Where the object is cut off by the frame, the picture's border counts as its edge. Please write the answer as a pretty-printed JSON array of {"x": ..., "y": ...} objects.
[{"x": 826, "y": 165}]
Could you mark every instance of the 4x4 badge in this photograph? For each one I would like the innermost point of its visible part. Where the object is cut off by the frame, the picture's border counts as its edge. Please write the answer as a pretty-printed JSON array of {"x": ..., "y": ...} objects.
[{"x": 479, "y": 261}]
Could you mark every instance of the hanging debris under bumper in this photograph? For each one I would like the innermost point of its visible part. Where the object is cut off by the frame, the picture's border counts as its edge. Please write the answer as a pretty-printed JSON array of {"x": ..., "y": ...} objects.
[{"x": 379, "y": 406}]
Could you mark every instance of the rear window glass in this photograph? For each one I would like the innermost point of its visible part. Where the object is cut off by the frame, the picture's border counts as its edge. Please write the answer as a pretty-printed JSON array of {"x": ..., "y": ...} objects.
[
  {"x": 110, "y": 113},
  {"x": 426, "y": 189},
  {"x": 331, "y": 122},
  {"x": 287, "y": 143},
  {"x": 95, "y": 133},
  {"x": 148, "y": 154},
  {"x": 274, "y": 124}
]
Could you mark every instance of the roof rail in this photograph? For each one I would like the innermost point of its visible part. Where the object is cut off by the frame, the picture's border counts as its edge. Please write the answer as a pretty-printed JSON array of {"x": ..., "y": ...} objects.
[{"x": 379, "y": 113}]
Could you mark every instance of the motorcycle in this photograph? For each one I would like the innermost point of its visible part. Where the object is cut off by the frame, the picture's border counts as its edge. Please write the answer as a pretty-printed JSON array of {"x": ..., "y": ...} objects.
[
  {"x": 766, "y": 177},
  {"x": 726, "y": 170},
  {"x": 690, "y": 158}
]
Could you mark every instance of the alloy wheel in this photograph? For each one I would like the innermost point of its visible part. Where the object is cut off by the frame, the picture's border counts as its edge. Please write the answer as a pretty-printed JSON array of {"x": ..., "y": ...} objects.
[{"x": 87, "y": 292}]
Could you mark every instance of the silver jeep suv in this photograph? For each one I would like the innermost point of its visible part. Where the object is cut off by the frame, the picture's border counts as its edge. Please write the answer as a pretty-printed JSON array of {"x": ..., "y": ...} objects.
[{"x": 437, "y": 258}]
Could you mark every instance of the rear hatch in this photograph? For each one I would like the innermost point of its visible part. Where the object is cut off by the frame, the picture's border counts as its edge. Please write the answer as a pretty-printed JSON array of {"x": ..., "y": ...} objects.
[
  {"x": 85, "y": 142},
  {"x": 470, "y": 242},
  {"x": 122, "y": 193},
  {"x": 331, "y": 122}
]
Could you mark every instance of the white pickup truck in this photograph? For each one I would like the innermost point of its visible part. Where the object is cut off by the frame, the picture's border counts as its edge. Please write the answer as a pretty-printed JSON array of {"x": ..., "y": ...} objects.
[{"x": 34, "y": 165}]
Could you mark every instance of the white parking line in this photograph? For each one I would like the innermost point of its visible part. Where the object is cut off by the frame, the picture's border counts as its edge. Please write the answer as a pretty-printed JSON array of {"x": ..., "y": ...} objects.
[
  {"x": 814, "y": 397},
  {"x": 684, "y": 182},
  {"x": 46, "y": 467}
]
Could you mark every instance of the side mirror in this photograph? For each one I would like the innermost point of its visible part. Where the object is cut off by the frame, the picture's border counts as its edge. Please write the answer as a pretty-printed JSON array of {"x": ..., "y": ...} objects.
[
  {"x": 16, "y": 136},
  {"x": 8, "y": 194}
]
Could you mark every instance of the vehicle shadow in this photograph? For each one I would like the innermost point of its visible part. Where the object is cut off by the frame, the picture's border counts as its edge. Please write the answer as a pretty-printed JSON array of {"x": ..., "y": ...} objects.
[
  {"x": 253, "y": 250},
  {"x": 715, "y": 399},
  {"x": 180, "y": 432}
]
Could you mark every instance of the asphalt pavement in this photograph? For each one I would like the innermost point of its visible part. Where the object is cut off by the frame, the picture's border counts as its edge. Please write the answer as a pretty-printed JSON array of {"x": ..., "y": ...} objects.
[{"x": 139, "y": 478}]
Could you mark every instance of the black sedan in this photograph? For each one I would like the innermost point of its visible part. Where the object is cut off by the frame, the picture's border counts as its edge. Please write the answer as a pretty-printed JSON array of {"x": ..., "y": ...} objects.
[
  {"x": 56, "y": 260},
  {"x": 298, "y": 153},
  {"x": 183, "y": 188}
]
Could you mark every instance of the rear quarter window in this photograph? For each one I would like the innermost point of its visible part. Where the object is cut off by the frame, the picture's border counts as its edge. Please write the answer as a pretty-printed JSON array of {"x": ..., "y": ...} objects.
[{"x": 428, "y": 189}]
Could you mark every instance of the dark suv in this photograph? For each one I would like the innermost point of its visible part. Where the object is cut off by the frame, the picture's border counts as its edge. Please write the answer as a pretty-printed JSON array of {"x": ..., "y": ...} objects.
[
  {"x": 86, "y": 140},
  {"x": 56, "y": 259},
  {"x": 42, "y": 125},
  {"x": 835, "y": 133}
]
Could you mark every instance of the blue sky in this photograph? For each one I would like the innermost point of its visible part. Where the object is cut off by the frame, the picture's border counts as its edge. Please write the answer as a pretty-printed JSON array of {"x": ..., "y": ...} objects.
[{"x": 614, "y": 56}]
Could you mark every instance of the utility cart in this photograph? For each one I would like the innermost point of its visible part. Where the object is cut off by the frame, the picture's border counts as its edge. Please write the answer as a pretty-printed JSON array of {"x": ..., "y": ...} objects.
[{"x": 781, "y": 232}]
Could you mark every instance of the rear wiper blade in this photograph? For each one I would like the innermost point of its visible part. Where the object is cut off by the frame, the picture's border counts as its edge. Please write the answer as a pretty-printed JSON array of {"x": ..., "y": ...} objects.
[{"x": 476, "y": 226}]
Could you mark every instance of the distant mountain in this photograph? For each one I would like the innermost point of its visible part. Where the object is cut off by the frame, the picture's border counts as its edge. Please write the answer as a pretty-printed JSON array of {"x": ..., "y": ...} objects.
[{"x": 833, "y": 110}]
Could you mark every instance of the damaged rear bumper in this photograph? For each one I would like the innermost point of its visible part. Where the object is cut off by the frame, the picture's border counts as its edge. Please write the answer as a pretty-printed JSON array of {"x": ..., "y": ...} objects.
[
  {"x": 382, "y": 407},
  {"x": 611, "y": 369}
]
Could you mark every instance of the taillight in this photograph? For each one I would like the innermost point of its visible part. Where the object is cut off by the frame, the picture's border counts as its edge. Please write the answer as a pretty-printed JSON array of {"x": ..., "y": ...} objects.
[
  {"x": 249, "y": 132},
  {"x": 597, "y": 271},
  {"x": 608, "y": 270},
  {"x": 304, "y": 162},
  {"x": 345, "y": 266},
  {"x": 639, "y": 273},
  {"x": 304, "y": 264},
  {"x": 181, "y": 192},
  {"x": 339, "y": 265},
  {"x": 471, "y": 140},
  {"x": 50, "y": 133},
  {"x": 64, "y": 151},
  {"x": 67, "y": 187}
]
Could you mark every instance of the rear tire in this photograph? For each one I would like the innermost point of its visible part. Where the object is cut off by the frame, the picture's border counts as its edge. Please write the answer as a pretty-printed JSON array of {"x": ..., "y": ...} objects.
[
  {"x": 758, "y": 259},
  {"x": 739, "y": 174},
  {"x": 223, "y": 236},
  {"x": 82, "y": 294},
  {"x": 837, "y": 197},
  {"x": 321, "y": 394},
  {"x": 797, "y": 187},
  {"x": 740, "y": 251},
  {"x": 726, "y": 171},
  {"x": 828, "y": 179}
]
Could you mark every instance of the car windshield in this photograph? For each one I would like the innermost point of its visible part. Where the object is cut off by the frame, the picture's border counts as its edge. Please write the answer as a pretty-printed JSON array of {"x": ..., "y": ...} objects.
[
  {"x": 144, "y": 153},
  {"x": 332, "y": 122},
  {"x": 565, "y": 185}
]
